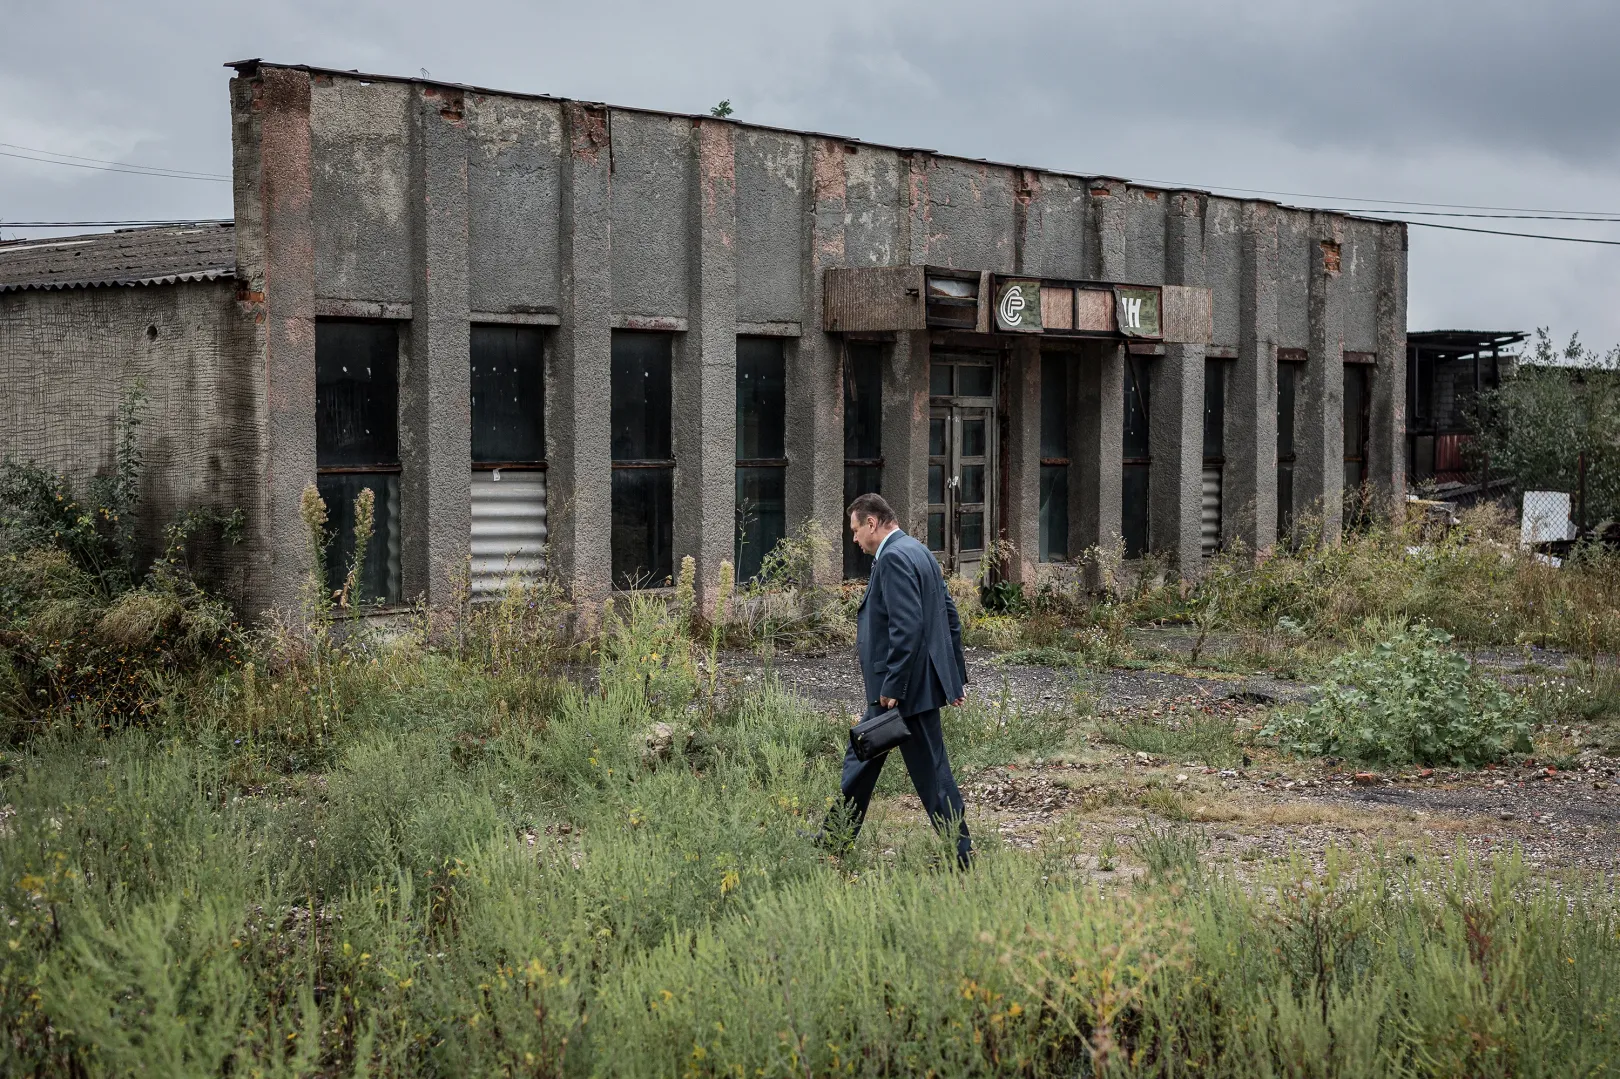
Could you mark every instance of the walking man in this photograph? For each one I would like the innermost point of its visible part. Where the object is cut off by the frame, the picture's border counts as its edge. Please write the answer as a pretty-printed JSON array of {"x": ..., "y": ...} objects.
[{"x": 910, "y": 643}]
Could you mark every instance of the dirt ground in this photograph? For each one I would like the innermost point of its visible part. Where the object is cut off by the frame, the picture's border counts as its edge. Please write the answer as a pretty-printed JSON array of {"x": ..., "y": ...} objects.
[{"x": 1268, "y": 806}]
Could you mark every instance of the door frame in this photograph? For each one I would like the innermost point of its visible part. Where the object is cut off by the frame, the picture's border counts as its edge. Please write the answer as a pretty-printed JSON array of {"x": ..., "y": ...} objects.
[{"x": 951, "y": 407}]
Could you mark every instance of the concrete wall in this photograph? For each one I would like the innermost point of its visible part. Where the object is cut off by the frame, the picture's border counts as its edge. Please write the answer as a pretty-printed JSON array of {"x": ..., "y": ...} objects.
[
  {"x": 405, "y": 199},
  {"x": 68, "y": 361}
]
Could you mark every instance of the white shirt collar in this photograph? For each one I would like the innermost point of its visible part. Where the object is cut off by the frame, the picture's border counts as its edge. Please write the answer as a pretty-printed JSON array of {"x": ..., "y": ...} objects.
[{"x": 879, "y": 553}]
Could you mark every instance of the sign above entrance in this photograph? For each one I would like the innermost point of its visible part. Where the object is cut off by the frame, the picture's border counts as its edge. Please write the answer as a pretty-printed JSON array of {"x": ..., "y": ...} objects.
[
  {"x": 1137, "y": 311},
  {"x": 1018, "y": 305},
  {"x": 1029, "y": 305},
  {"x": 865, "y": 299}
]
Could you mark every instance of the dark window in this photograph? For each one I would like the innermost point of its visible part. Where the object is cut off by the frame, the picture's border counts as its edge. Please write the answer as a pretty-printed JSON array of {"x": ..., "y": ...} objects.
[
  {"x": 1054, "y": 459},
  {"x": 1287, "y": 373},
  {"x": 357, "y": 447},
  {"x": 974, "y": 379},
  {"x": 761, "y": 456},
  {"x": 643, "y": 461},
  {"x": 1423, "y": 398},
  {"x": 1214, "y": 411},
  {"x": 379, "y": 576},
  {"x": 1138, "y": 459},
  {"x": 1355, "y": 443},
  {"x": 1214, "y": 455},
  {"x": 863, "y": 438},
  {"x": 356, "y": 394},
  {"x": 961, "y": 379},
  {"x": 508, "y": 395}
]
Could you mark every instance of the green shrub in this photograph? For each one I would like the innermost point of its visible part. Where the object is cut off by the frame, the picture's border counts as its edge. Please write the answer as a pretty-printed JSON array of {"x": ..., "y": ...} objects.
[{"x": 1407, "y": 699}]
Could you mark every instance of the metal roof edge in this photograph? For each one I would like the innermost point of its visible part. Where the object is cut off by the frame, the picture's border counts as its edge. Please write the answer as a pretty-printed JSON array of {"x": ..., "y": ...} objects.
[{"x": 191, "y": 277}]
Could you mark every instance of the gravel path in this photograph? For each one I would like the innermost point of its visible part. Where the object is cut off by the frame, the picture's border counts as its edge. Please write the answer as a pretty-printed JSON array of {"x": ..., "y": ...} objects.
[{"x": 1273, "y": 806}]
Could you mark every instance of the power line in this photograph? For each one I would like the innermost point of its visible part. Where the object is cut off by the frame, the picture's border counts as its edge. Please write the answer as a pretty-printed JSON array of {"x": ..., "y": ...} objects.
[
  {"x": 112, "y": 224},
  {"x": 122, "y": 164},
  {"x": 1354, "y": 198},
  {"x": 1611, "y": 220},
  {"x": 136, "y": 171},
  {"x": 1503, "y": 232}
]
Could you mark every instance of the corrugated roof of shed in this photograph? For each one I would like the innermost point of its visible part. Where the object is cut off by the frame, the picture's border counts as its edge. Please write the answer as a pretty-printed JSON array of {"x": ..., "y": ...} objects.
[{"x": 205, "y": 251}]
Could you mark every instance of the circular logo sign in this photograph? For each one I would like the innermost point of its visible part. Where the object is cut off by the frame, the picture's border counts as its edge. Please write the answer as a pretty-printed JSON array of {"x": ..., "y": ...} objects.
[{"x": 1011, "y": 310}]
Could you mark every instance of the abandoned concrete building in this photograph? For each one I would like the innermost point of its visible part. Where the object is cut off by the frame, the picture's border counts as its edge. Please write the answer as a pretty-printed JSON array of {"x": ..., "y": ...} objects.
[{"x": 546, "y": 331}]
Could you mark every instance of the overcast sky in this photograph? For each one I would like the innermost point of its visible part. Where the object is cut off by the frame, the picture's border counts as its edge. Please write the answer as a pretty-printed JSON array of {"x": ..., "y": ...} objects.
[{"x": 1482, "y": 102}]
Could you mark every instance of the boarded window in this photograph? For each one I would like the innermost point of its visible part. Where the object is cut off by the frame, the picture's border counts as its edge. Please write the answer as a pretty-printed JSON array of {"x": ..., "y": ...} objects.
[
  {"x": 357, "y": 447},
  {"x": 1054, "y": 458},
  {"x": 643, "y": 460},
  {"x": 761, "y": 452},
  {"x": 1287, "y": 375},
  {"x": 1355, "y": 443},
  {"x": 863, "y": 439},
  {"x": 1138, "y": 459},
  {"x": 508, "y": 455},
  {"x": 508, "y": 395}
]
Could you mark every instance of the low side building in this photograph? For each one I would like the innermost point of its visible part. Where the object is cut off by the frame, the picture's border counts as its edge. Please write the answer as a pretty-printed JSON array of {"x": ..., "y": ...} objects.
[
  {"x": 546, "y": 330},
  {"x": 84, "y": 320}
]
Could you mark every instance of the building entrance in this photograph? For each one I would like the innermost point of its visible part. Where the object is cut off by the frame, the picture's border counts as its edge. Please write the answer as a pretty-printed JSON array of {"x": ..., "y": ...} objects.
[{"x": 961, "y": 459}]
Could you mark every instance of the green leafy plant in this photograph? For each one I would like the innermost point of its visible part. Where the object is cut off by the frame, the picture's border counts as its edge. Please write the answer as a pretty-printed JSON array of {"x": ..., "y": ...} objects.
[{"x": 1407, "y": 698}]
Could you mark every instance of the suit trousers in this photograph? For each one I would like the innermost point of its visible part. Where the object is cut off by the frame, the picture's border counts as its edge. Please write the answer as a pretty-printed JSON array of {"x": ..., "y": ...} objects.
[{"x": 930, "y": 769}]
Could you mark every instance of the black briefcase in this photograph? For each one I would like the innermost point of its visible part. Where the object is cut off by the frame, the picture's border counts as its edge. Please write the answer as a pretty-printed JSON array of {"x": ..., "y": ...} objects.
[{"x": 876, "y": 735}]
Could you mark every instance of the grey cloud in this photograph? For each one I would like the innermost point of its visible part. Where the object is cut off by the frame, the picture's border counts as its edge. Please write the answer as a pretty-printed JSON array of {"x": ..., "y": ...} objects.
[{"x": 1484, "y": 101}]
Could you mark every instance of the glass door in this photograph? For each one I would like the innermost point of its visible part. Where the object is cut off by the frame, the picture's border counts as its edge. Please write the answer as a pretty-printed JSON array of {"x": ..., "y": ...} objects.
[{"x": 961, "y": 458}]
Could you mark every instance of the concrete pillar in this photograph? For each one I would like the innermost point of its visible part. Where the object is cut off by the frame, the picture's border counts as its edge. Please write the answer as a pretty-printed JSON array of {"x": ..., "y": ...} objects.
[
  {"x": 1319, "y": 430},
  {"x": 276, "y": 257},
  {"x": 1386, "y": 448},
  {"x": 1099, "y": 450},
  {"x": 815, "y": 386},
  {"x": 579, "y": 483},
  {"x": 435, "y": 430},
  {"x": 1021, "y": 458},
  {"x": 1249, "y": 480},
  {"x": 1108, "y": 212},
  {"x": 705, "y": 419},
  {"x": 1176, "y": 407},
  {"x": 914, "y": 206},
  {"x": 905, "y": 431},
  {"x": 1098, "y": 456}
]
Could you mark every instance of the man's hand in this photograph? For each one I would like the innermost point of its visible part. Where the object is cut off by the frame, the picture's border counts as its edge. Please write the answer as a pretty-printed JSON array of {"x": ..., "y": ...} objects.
[
  {"x": 888, "y": 702},
  {"x": 959, "y": 702}
]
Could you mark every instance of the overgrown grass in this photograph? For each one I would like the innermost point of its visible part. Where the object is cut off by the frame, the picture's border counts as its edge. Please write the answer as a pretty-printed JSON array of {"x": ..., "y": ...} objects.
[
  {"x": 1200, "y": 736},
  {"x": 462, "y": 893},
  {"x": 427, "y": 851},
  {"x": 471, "y": 872}
]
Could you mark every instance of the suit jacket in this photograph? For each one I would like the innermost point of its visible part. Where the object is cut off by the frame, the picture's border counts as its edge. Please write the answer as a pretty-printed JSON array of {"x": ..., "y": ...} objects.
[{"x": 908, "y": 634}]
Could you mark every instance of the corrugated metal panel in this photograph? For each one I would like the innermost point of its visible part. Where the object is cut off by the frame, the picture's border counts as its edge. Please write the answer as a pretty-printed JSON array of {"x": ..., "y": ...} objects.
[
  {"x": 1449, "y": 453},
  {"x": 152, "y": 256},
  {"x": 1209, "y": 518},
  {"x": 508, "y": 527}
]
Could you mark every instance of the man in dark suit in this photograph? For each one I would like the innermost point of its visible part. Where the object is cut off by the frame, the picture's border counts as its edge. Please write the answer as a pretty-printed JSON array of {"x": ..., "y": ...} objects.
[{"x": 910, "y": 643}]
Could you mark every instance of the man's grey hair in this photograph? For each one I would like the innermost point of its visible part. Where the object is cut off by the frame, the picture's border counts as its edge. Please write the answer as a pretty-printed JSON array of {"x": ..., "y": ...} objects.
[{"x": 872, "y": 505}]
